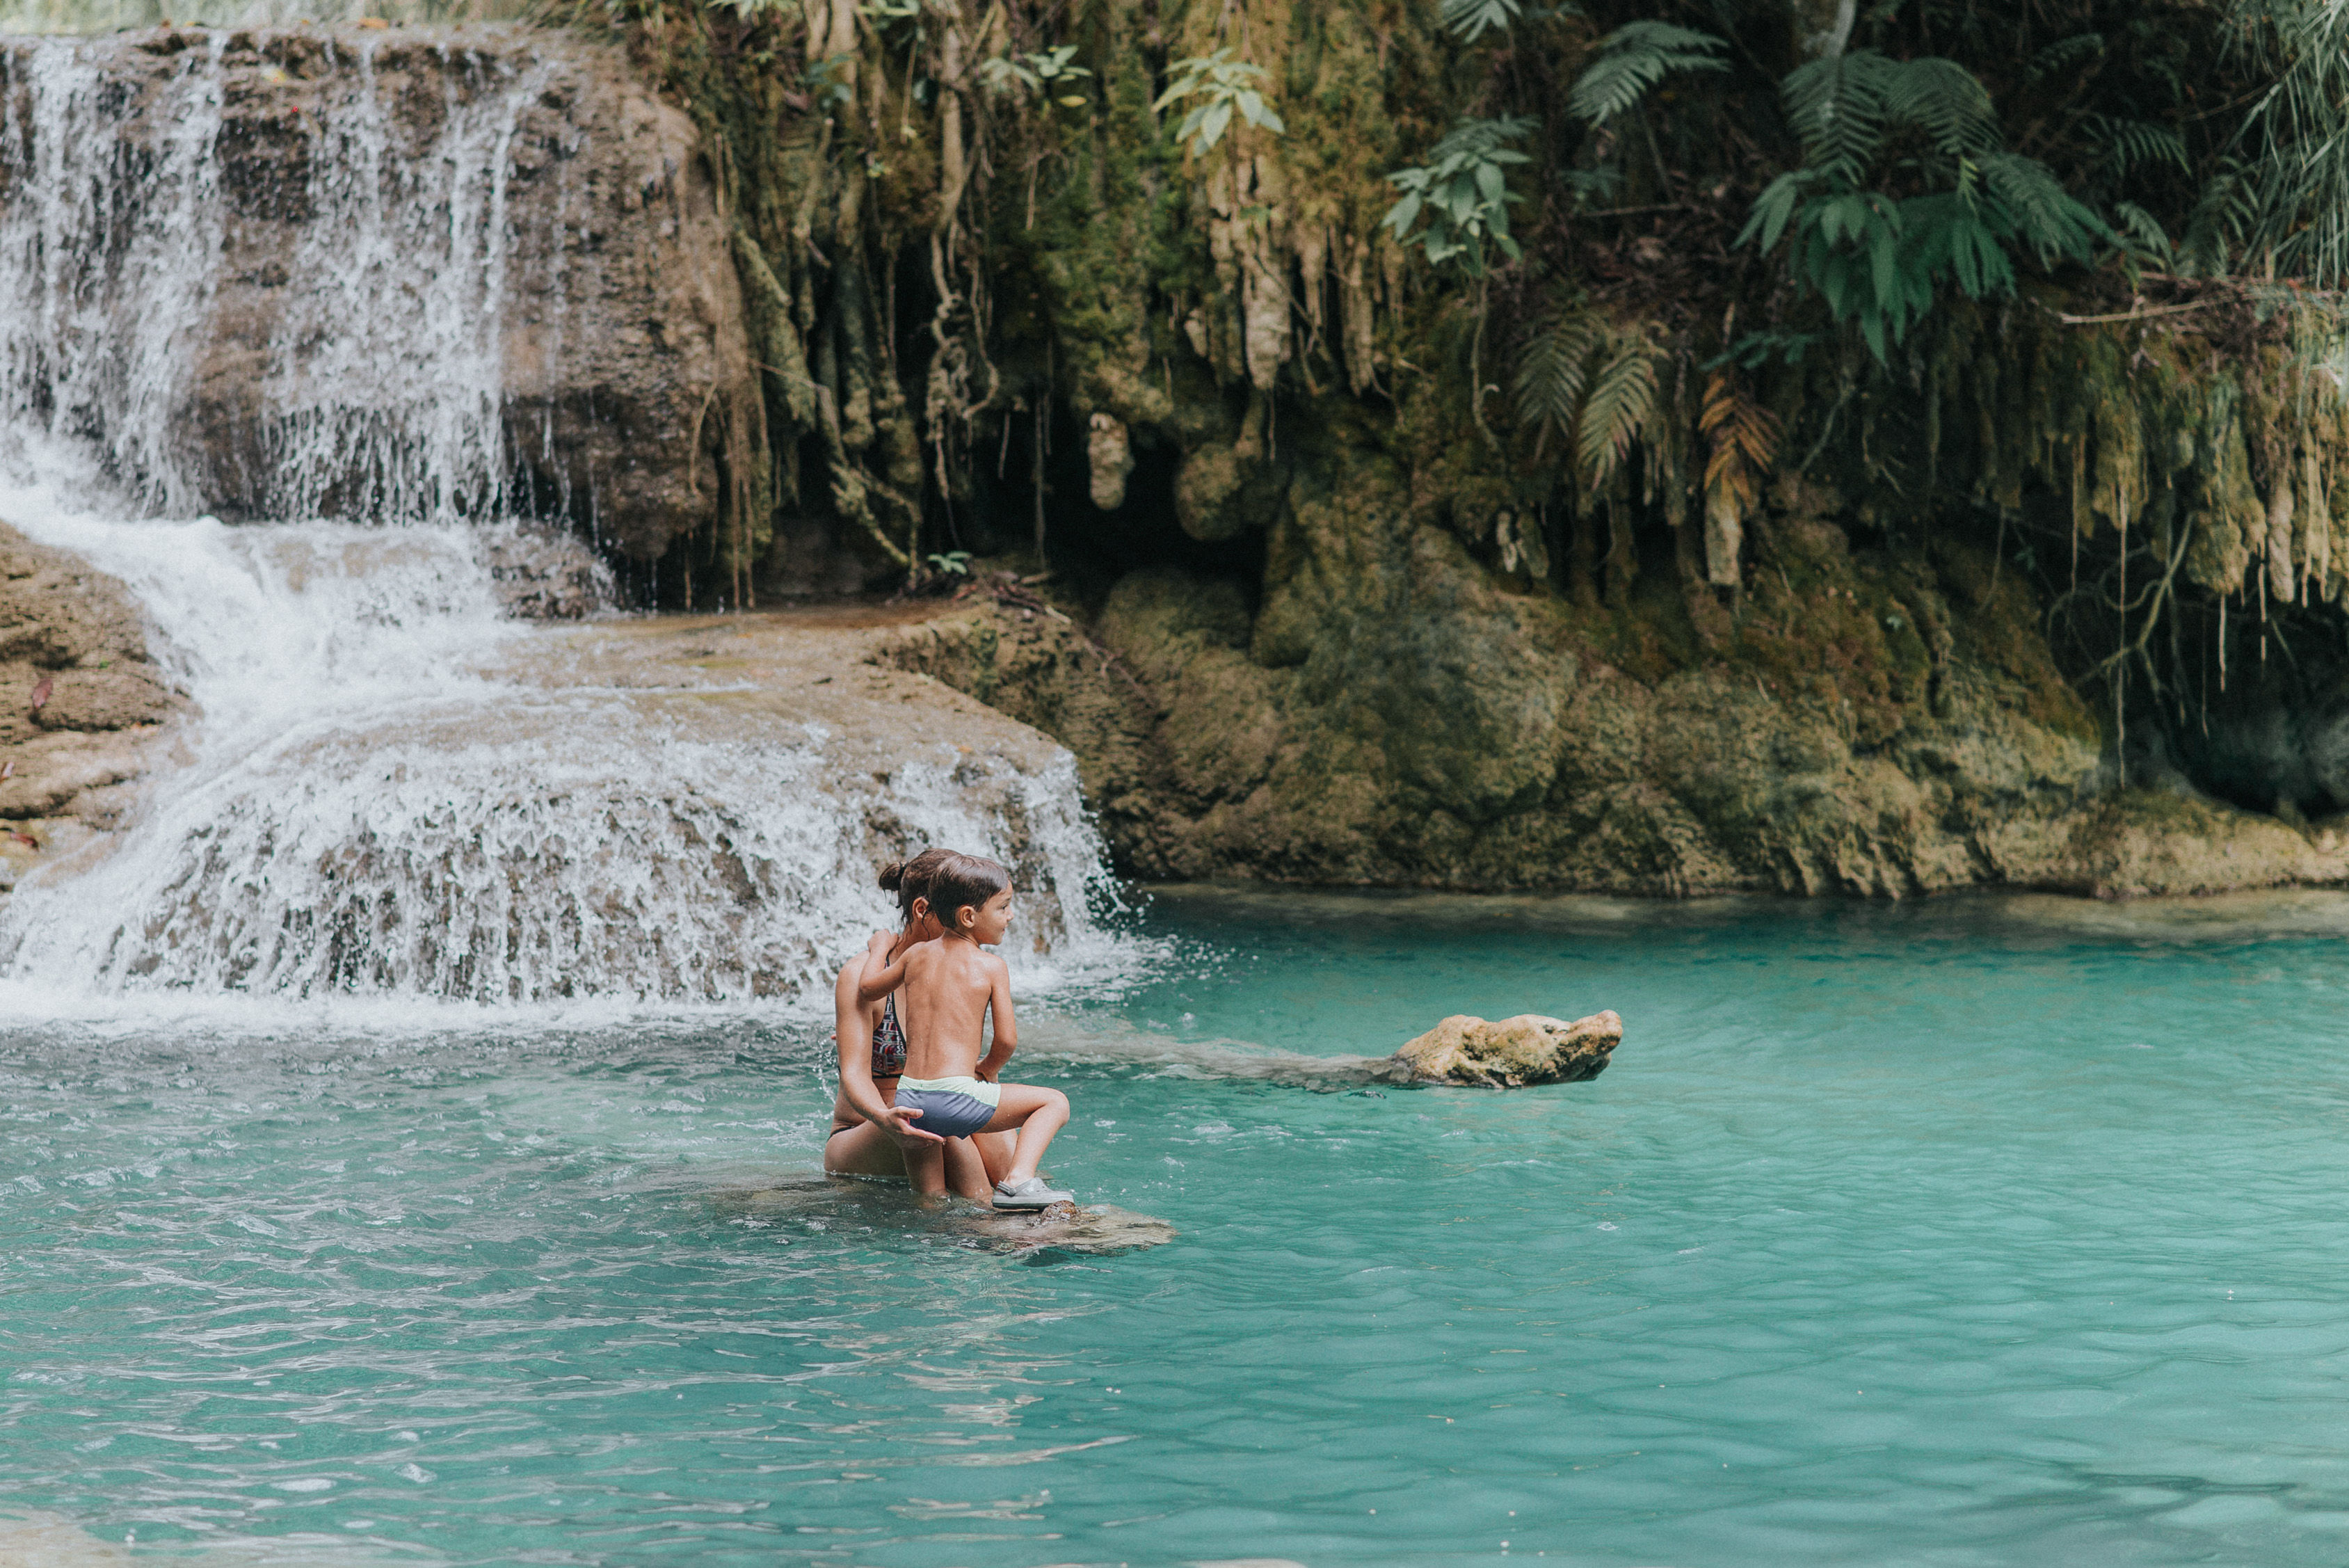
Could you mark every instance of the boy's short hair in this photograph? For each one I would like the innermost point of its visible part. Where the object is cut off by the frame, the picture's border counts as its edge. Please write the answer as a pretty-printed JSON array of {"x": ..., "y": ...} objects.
[{"x": 963, "y": 881}]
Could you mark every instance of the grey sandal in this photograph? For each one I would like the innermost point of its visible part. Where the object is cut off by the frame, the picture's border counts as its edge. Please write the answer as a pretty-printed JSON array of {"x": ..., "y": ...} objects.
[{"x": 1029, "y": 1194}]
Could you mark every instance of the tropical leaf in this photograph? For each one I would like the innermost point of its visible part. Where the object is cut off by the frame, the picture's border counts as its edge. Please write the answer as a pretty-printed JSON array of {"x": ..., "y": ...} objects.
[
  {"x": 1622, "y": 395},
  {"x": 1944, "y": 100},
  {"x": 2045, "y": 217},
  {"x": 1223, "y": 87},
  {"x": 2144, "y": 233},
  {"x": 2295, "y": 171},
  {"x": 2066, "y": 54},
  {"x": 1634, "y": 58},
  {"x": 1743, "y": 437},
  {"x": 1463, "y": 191},
  {"x": 1471, "y": 20},
  {"x": 1878, "y": 261},
  {"x": 1554, "y": 367},
  {"x": 2127, "y": 145}
]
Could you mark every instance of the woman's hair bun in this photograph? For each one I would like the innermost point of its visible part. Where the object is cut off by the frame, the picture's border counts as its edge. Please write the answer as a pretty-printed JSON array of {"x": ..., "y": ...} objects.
[{"x": 893, "y": 875}]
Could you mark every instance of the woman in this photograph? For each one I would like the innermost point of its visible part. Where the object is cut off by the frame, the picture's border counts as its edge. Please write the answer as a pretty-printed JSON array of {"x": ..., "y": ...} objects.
[{"x": 867, "y": 1128}]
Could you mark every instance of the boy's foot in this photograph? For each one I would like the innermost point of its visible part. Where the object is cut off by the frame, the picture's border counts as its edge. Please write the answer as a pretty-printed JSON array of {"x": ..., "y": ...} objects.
[{"x": 1030, "y": 1193}]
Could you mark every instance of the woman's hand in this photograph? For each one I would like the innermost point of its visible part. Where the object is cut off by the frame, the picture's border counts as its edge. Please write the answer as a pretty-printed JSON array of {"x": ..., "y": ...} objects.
[{"x": 901, "y": 1126}]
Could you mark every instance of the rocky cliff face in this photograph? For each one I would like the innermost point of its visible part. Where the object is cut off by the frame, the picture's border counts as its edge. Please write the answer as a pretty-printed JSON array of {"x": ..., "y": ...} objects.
[
  {"x": 1393, "y": 711},
  {"x": 376, "y": 273}
]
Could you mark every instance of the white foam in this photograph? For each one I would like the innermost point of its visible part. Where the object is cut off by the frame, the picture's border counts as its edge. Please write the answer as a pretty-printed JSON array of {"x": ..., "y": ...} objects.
[{"x": 377, "y": 808}]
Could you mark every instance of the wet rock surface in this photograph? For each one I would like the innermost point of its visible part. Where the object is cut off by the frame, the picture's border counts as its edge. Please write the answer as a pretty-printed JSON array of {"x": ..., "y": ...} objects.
[
  {"x": 1063, "y": 1230},
  {"x": 1509, "y": 1052},
  {"x": 84, "y": 709},
  {"x": 1393, "y": 713}
]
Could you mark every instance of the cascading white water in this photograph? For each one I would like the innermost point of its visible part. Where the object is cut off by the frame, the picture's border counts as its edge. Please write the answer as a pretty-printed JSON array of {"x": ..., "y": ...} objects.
[
  {"x": 109, "y": 257},
  {"x": 379, "y": 373},
  {"x": 389, "y": 795},
  {"x": 388, "y": 799}
]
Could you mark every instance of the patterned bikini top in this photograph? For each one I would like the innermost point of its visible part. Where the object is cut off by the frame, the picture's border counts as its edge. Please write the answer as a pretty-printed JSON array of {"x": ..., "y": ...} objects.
[{"x": 889, "y": 1042}]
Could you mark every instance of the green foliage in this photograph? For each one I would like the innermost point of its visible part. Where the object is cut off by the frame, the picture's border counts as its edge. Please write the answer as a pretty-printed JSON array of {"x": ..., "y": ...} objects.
[
  {"x": 1472, "y": 18},
  {"x": 1592, "y": 382},
  {"x": 1634, "y": 58},
  {"x": 2297, "y": 180},
  {"x": 953, "y": 564},
  {"x": 1224, "y": 87},
  {"x": 1553, "y": 370},
  {"x": 1463, "y": 190},
  {"x": 2125, "y": 146},
  {"x": 1879, "y": 258},
  {"x": 2224, "y": 214},
  {"x": 1048, "y": 72},
  {"x": 1622, "y": 396},
  {"x": 827, "y": 83}
]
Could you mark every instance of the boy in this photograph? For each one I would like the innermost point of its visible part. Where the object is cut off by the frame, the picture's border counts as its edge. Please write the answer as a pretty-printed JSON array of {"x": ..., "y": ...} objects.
[{"x": 950, "y": 986}]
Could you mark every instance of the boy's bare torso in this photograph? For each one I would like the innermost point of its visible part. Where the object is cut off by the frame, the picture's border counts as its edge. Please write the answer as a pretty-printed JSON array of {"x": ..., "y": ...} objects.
[{"x": 949, "y": 985}]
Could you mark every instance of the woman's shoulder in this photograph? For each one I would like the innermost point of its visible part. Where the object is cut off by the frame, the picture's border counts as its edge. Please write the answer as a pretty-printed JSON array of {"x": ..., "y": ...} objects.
[{"x": 856, "y": 961}]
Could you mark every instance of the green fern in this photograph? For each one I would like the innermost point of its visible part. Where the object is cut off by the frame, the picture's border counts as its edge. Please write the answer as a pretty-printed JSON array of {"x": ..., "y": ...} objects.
[
  {"x": 1845, "y": 109},
  {"x": 1879, "y": 260},
  {"x": 1553, "y": 368},
  {"x": 1471, "y": 20},
  {"x": 1622, "y": 396},
  {"x": 2144, "y": 233},
  {"x": 2066, "y": 54},
  {"x": 2041, "y": 213},
  {"x": 1635, "y": 58},
  {"x": 2127, "y": 145},
  {"x": 2224, "y": 214}
]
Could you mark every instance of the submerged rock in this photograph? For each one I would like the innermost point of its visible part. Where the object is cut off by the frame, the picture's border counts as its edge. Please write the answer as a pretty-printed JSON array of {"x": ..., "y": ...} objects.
[
  {"x": 831, "y": 1203},
  {"x": 1509, "y": 1052},
  {"x": 1096, "y": 1229}
]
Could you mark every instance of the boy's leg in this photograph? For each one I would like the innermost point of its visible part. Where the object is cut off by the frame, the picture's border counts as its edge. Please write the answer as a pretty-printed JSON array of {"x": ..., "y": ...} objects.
[
  {"x": 1038, "y": 1114},
  {"x": 926, "y": 1167},
  {"x": 968, "y": 1172},
  {"x": 997, "y": 1150}
]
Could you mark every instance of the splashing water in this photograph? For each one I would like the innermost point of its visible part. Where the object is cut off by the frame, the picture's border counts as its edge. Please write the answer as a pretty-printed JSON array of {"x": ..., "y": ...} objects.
[
  {"x": 389, "y": 796},
  {"x": 386, "y": 799}
]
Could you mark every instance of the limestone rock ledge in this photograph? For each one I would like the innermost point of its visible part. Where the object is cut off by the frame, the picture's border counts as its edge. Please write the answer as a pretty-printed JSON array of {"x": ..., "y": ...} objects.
[
  {"x": 1481, "y": 740},
  {"x": 1507, "y": 1053},
  {"x": 75, "y": 761}
]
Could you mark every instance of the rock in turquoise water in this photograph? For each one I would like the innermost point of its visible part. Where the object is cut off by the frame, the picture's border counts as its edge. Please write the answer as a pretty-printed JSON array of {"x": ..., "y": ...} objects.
[{"x": 1509, "y": 1054}]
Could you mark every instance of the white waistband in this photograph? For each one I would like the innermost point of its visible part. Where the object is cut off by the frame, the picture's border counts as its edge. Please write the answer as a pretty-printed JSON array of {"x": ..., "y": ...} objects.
[{"x": 978, "y": 1089}]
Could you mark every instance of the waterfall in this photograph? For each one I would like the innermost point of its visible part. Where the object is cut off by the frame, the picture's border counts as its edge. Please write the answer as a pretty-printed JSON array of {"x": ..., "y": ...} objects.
[
  {"x": 392, "y": 790},
  {"x": 141, "y": 249}
]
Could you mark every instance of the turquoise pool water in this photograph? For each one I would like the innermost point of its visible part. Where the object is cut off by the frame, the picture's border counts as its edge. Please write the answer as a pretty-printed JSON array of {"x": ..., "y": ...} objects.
[{"x": 1961, "y": 1233}]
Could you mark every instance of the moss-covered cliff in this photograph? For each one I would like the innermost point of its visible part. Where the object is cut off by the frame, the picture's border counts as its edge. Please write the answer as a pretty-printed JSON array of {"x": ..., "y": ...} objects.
[{"x": 1657, "y": 447}]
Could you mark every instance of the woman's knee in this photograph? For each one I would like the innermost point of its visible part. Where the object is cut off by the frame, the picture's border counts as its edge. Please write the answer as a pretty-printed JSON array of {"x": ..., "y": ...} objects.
[{"x": 862, "y": 1151}]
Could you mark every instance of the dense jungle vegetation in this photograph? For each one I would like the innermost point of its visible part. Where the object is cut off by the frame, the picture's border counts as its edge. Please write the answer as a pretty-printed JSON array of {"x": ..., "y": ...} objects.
[{"x": 1615, "y": 283}]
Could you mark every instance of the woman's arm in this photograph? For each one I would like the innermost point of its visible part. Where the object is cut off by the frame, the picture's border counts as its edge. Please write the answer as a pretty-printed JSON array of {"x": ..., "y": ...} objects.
[
  {"x": 855, "y": 1040},
  {"x": 1006, "y": 1032}
]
